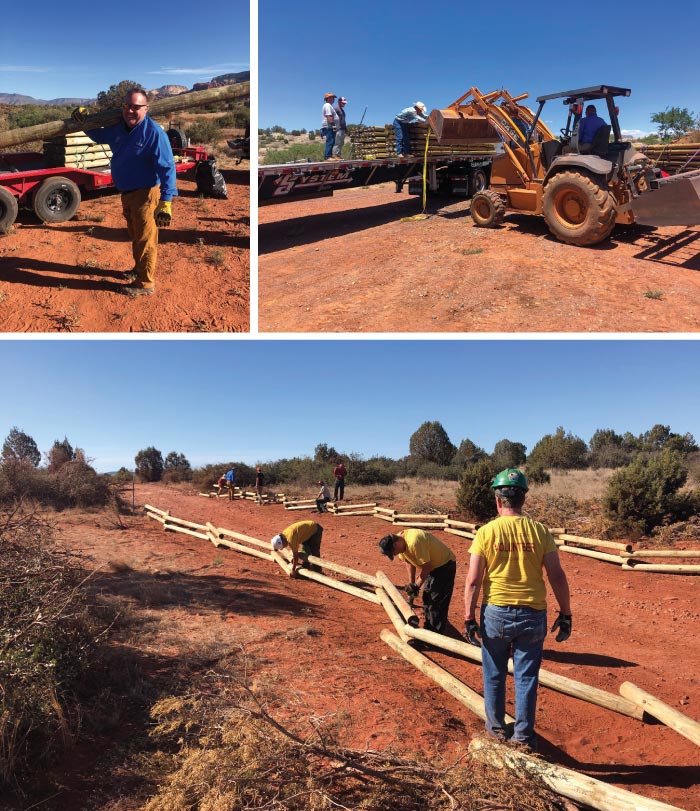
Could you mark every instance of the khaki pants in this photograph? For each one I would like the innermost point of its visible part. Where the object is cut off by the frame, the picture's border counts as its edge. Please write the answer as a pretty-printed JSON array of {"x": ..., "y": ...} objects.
[{"x": 139, "y": 207}]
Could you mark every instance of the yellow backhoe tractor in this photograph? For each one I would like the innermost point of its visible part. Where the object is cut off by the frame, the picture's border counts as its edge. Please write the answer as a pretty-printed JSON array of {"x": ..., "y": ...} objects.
[{"x": 581, "y": 193}]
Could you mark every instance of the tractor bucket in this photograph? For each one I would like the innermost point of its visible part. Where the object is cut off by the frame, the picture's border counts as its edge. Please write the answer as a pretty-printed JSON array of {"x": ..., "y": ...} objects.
[
  {"x": 671, "y": 201},
  {"x": 453, "y": 127}
]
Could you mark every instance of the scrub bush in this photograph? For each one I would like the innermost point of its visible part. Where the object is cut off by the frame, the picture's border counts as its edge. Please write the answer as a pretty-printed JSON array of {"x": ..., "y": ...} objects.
[{"x": 474, "y": 494}]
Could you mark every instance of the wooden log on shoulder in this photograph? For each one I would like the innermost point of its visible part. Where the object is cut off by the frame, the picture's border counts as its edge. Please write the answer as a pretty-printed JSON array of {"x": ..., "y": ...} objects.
[
  {"x": 172, "y": 104},
  {"x": 562, "y": 684},
  {"x": 398, "y": 599},
  {"x": 674, "y": 719},
  {"x": 595, "y": 542},
  {"x": 568, "y": 783},
  {"x": 457, "y": 689},
  {"x": 592, "y": 553}
]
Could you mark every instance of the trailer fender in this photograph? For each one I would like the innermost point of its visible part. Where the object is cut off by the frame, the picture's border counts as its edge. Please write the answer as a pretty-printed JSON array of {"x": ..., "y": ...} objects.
[{"x": 592, "y": 163}]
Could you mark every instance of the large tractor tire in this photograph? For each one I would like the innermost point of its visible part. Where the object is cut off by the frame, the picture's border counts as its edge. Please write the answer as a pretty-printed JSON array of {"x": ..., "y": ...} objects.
[
  {"x": 178, "y": 138},
  {"x": 8, "y": 210},
  {"x": 56, "y": 200},
  {"x": 578, "y": 208},
  {"x": 487, "y": 209},
  {"x": 478, "y": 181}
]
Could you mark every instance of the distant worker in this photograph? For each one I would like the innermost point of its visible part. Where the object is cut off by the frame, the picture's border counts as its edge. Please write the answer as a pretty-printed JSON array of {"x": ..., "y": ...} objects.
[
  {"x": 259, "y": 483},
  {"x": 329, "y": 119},
  {"x": 508, "y": 555},
  {"x": 340, "y": 473},
  {"x": 220, "y": 484},
  {"x": 587, "y": 128},
  {"x": 230, "y": 482},
  {"x": 409, "y": 115},
  {"x": 304, "y": 539},
  {"x": 431, "y": 565},
  {"x": 323, "y": 497},
  {"x": 340, "y": 132},
  {"x": 143, "y": 169}
]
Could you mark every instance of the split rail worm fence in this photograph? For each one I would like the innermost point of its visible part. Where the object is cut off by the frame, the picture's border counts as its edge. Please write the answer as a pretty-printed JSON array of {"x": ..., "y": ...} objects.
[{"x": 379, "y": 590}]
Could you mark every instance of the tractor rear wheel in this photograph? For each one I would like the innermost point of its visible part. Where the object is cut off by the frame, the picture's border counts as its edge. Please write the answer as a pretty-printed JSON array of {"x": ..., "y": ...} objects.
[
  {"x": 578, "y": 208},
  {"x": 56, "y": 200},
  {"x": 8, "y": 209},
  {"x": 487, "y": 209}
]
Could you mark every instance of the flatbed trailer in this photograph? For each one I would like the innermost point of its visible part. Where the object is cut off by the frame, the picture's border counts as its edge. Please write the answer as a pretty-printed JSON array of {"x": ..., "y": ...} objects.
[
  {"x": 55, "y": 192},
  {"x": 460, "y": 175}
]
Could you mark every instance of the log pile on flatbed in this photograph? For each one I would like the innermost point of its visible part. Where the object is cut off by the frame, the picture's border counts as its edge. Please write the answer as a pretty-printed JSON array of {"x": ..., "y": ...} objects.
[
  {"x": 380, "y": 142},
  {"x": 674, "y": 158},
  {"x": 78, "y": 151}
]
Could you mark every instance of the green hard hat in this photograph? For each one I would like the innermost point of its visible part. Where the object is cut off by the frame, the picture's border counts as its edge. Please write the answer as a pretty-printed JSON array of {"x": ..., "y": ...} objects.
[{"x": 510, "y": 477}]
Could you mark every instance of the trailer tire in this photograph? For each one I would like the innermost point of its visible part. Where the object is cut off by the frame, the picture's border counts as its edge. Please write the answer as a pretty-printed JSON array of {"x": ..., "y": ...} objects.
[
  {"x": 178, "y": 138},
  {"x": 8, "y": 210},
  {"x": 578, "y": 208},
  {"x": 479, "y": 181},
  {"x": 56, "y": 200},
  {"x": 487, "y": 209}
]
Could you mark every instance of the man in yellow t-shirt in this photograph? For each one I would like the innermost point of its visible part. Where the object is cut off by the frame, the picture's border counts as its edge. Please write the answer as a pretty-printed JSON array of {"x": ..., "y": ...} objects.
[
  {"x": 304, "y": 539},
  {"x": 430, "y": 564},
  {"x": 508, "y": 555}
]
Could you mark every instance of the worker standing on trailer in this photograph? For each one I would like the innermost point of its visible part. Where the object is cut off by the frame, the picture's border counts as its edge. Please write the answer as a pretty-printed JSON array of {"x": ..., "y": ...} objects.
[
  {"x": 329, "y": 124},
  {"x": 143, "y": 169},
  {"x": 431, "y": 565},
  {"x": 230, "y": 481},
  {"x": 342, "y": 126},
  {"x": 304, "y": 539},
  {"x": 409, "y": 115},
  {"x": 508, "y": 555}
]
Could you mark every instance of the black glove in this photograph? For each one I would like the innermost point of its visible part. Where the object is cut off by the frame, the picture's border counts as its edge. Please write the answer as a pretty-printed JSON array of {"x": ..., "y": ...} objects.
[
  {"x": 411, "y": 589},
  {"x": 563, "y": 623},
  {"x": 471, "y": 631}
]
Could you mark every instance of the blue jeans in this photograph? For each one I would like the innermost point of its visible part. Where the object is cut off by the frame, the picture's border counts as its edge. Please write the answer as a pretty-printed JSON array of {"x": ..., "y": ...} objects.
[
  {"x": 524, "y": 630},
  {"x": 403, "y": 138},
  {"x": 329, "y": 134}
]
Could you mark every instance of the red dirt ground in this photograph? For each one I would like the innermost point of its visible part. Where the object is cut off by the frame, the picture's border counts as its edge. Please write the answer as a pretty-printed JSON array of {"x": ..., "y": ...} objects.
[
  {"x": 64, "y": 277},
  {"x": 348, "y": 264},
  {"x": 322, "y": 647}
]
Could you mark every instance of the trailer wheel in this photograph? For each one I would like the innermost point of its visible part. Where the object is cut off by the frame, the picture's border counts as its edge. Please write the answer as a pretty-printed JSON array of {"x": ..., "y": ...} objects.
[
  {"x": 8, "y": 210},
  {"x": 478, "y": 181},
  {"x": 487, "y": 209},
  {"x": 578, "y": 208},
  {"x": 56, "y": 200},
  {"x": 178, "y": 138}
]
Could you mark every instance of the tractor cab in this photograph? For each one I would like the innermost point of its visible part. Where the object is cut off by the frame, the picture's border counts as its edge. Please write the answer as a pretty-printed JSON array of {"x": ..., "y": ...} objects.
[{"x": 576, "y": 102}]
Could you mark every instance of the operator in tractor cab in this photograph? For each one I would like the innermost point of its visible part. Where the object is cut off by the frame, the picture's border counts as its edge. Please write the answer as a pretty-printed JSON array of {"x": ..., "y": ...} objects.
[
  {"x": 587, "y": 128},
  {"x": 143, "y": 169}
]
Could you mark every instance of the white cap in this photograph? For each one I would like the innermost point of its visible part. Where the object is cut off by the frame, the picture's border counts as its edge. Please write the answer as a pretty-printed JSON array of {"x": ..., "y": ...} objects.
[
  {"x": 420, "y": 106},
  {"x": 277, "y": 543}
]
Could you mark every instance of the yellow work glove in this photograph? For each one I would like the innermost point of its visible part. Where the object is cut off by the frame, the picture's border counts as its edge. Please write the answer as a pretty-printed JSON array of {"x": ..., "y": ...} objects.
[
  {"x": 164, "y": 214},
  {"x": 78, "y": 115}
]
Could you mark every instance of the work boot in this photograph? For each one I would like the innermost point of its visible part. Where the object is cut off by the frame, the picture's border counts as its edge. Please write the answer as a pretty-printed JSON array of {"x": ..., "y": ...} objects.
[{"x": 133, "y": 291}]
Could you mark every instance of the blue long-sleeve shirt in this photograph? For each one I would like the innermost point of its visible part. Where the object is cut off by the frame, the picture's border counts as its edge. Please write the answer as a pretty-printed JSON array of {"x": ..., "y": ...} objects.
[
  {"x": 409, "y": 116},
  {"x": 588, "y": 127},
  {"x": 141, "y": 158}
]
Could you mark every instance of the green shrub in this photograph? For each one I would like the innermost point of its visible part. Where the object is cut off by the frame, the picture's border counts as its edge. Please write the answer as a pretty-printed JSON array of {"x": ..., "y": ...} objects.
[
  {"x": 295, "y": 152},
  {"x": 474, "y": 494},
  {"x": 537, "y": 475},
  {"x": 560, "y": 450},
  {"x": 203, "y": 131},
  {"x": 646, "y": 494}
]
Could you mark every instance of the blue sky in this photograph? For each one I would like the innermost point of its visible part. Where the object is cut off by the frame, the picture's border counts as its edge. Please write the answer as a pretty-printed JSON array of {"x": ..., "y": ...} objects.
[
  {"x": 258, "y": 400},
  {"x": 387, "y": 55},
  {"x": 57, "y": 50}
]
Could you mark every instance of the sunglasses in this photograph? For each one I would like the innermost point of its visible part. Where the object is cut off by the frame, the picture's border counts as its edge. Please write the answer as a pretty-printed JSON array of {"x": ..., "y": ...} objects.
[{"x": 134, "y": 107}]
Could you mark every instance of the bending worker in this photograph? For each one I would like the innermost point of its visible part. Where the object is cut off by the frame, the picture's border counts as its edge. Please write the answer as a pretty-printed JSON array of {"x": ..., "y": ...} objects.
[
  {"x": 143, "y": 169},
  {"x": 304, "y": 539},
  {"x": 409, "y": 115},
  {"x": 431, "y": 565},
  {"x": 508, "y": 555}
]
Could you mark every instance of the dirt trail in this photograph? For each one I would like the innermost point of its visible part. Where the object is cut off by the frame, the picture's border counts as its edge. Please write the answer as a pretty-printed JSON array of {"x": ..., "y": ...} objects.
[
  {"x": 348, "y": 264},
  {"x": 65, "y": 277},
  {"x": 322, "y": 648}
]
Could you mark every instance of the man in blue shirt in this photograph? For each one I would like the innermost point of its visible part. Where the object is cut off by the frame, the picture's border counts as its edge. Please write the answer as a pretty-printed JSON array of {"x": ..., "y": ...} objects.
[
  {"x": 588, "y": 127},
  {"x": 409, "y": 115},
  {"x": 143, "y": 169},
  {"x": 230, "y": 482}
]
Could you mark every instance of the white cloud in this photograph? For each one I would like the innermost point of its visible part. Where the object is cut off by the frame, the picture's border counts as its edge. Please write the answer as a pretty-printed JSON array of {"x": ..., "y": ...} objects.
[
  {"x": 205, "y": 71},
  {"x": 22, "y": 69},
  {"x": 634, "y": 135}
]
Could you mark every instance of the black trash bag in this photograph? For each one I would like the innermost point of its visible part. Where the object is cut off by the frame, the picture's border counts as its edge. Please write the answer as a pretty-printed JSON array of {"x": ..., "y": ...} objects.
[{"x": 210, "y": 181}]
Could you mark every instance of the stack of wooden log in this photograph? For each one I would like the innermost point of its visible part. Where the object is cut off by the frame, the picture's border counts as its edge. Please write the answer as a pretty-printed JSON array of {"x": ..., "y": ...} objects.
[
  {"x": 674, "y": 158},
  {"x": 380, "y": 142},
  {"x": 77, "y": 150}
]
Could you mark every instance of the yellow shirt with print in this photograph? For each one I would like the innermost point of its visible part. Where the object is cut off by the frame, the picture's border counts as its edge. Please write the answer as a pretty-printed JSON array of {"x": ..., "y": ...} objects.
[
  {"x": 299, "y": 533},
  {"x": 422, "y": 547},
  {"x": 514, "y": 547}
]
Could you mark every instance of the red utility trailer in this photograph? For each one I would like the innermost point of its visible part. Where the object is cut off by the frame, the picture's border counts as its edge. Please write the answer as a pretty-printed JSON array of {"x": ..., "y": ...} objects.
[{"x": 55, "y": 193}]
